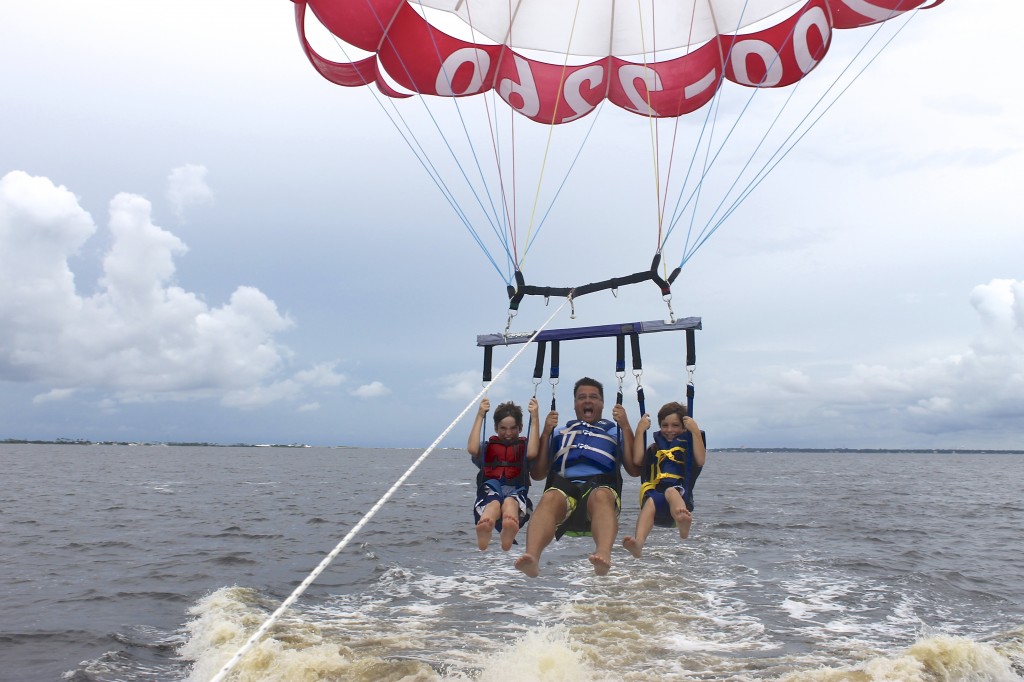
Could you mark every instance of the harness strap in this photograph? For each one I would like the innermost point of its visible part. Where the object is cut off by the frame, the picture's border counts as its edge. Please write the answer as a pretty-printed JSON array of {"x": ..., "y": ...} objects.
[
  {"x": 691, "y": 364},
  {"x": 488, "y": 354}
]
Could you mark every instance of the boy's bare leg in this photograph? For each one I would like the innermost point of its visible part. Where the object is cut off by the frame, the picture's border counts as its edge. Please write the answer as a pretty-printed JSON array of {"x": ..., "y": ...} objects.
[
  {"x": 604, "y": 526},
  {"x": 485, "y": 526},
  {"x": 682, "y": 515},
  {"x": 509, "y": 523},
  {"x": 644, "y": 524},
  {"x": 540, "y": 532}
]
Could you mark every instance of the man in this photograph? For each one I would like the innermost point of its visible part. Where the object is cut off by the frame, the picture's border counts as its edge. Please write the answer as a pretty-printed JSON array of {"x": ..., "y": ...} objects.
[{"x": 584, "y": 483}]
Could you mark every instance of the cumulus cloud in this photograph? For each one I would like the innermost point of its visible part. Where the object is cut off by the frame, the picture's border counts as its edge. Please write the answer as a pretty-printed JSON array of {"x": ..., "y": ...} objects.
[
  {"x": 955, "y": 400},
  {"x": 374, "y": 389},
  {"x": 54, "y": 395},
  {"x": 461, "y": 386},
  {"x": 186, "y": 186},
  {"x": 292, "y": 388},
  {"x": 139, "y": 337}
]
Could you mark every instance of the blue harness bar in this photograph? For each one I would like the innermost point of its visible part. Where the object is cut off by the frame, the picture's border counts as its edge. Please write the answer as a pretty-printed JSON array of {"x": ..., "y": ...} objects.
[{"x": 687, "y": 323}]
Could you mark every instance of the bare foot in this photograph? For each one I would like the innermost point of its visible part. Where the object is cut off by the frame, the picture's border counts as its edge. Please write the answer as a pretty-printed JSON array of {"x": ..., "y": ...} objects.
[
  {"x": 684, "y": 519},
  {"x": 509, "y": 528},
  {"x": 635, "y": 548},
  {"x": 601, "y": 564},
  {"x": 528, "y": 565},
  {"x": 484, "y": 528}
]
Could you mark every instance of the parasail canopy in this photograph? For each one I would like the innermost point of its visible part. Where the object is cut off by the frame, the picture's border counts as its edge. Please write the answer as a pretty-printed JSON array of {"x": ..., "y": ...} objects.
[
  {"x": 635, "y": 47},
  {"x": 558, "y": 61}
]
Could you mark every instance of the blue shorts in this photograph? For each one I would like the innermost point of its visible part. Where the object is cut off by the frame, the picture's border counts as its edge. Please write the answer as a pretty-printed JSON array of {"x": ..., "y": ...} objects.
[
  {"x": 488, "y": 494},
  {"x": 662, "y": 512}
]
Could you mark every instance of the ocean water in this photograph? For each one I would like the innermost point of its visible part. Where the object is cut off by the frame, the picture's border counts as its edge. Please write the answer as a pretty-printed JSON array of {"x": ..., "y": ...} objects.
[{"x": 157, "y": 563}]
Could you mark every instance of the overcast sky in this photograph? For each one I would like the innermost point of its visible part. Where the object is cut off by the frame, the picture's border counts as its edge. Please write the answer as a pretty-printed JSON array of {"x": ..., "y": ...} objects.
[{"x": 203, "y": 240}]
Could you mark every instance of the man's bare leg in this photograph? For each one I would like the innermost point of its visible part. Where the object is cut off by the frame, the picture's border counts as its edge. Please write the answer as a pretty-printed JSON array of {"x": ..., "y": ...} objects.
[
  {"x": 604, "y": 526},
  {"x": 541, "y": 530}
]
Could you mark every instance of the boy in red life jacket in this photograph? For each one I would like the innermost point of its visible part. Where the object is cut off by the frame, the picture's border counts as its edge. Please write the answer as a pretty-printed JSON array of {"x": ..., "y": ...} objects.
[
  {"x": 503, "y": 484},
  {"x": 669, "y": 468}
]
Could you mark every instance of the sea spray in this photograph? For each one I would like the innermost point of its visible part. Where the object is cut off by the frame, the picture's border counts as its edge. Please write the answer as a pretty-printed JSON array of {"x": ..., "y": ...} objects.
[
  {"x": 296, "y": 650},
  {"x": 937, "y": 658},
  {"x": 543, "y": 654}
]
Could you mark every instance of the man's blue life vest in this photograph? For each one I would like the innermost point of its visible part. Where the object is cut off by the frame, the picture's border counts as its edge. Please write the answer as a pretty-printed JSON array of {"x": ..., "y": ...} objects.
[{"x": 580, "y": 445}]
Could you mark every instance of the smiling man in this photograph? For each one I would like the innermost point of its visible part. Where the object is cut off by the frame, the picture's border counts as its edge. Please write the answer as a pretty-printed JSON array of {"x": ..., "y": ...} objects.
[{"x": 581, "y": 461}]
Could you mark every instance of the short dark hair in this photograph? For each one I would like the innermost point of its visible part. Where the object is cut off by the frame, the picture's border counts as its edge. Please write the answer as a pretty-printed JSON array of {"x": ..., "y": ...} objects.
[
  {"x": 509, "y": 409},
  {"x": 587, "y": 381},
  {"x": 672, "y": 408}
]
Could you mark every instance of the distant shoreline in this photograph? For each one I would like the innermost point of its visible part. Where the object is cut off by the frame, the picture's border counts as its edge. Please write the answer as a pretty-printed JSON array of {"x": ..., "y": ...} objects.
[{"x": 767, "y": 450}]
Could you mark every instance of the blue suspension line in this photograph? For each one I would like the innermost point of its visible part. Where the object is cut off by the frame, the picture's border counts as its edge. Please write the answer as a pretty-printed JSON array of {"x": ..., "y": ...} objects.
[
  {"x": 770, "y": 165},
  {"x": 712, "y": 224},
  {"x": 410, "y": 139}
]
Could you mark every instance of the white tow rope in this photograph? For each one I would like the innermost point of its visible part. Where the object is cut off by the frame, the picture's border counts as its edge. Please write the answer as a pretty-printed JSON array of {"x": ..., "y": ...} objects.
[{"x": 269, "y": 622}]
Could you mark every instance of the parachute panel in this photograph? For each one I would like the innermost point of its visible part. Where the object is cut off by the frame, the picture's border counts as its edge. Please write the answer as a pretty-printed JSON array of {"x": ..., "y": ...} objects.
[{"x": 425, "y": 60}]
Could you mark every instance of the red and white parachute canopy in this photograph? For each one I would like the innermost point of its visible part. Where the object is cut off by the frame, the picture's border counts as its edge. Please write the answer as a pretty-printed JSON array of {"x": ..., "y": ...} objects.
[
  {"x": 653, "y": 57},
  {"x": 556, "y": 61}
]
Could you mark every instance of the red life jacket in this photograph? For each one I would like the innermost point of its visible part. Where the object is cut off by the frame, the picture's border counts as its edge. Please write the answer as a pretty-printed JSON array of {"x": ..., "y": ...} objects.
[{"x": 503, "y": 460}]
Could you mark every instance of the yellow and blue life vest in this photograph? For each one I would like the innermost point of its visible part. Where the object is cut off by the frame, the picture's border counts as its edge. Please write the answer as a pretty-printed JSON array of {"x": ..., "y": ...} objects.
[{"x": 670, "y": 462}]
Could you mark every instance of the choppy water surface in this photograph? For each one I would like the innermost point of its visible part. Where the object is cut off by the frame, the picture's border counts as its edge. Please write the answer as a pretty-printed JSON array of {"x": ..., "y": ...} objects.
[{"x": 156, "y": 563}]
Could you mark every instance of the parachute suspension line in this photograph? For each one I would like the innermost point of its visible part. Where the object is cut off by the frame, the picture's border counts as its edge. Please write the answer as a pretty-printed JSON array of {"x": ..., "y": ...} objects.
[
  {"x": 551, "y": 127},
  {"x": 501, "y": 234},
  {"x": 565, "y": 179},
  {"x": 515, "y": 191},
  {"x": 770, "y": 165},
  {"x": 662, "y": 237},
  {"x": 411, "y": 141},
  {"x": 514, "y": 229},
  {"x": 705, "y": 232},
  {"x": 269, "y": 622},
  {"x": 711, "y": 116},
  {"x": 510, "y": 236},
  {"x": 803, "y": 129},
  {"x": 652, "y": 123},
  {"x": 492, "y": 214},
  {"x": 705, "y": 169}
]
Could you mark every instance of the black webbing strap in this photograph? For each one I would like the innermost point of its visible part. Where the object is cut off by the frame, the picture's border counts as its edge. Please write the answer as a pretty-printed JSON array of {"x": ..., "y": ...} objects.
[
  {"x": 620, "y": 364},
  {"x": 521, "y": 289},
  {"x": 691, "y": 363},
  {"x": 638, "y": 368},
  {"x": 488, "y": 354},
  {"x": 634, "y": 345},
  {"x": 538, "y": 368},
  {"x": 554, "y": 371},
  {"x": 620, "y": 360}
]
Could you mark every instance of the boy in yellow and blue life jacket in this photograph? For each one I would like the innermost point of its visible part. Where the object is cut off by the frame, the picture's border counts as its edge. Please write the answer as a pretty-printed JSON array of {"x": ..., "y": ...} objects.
[
  {"x": 669, "y": 468},
  {"x": 503, "y": 483}
]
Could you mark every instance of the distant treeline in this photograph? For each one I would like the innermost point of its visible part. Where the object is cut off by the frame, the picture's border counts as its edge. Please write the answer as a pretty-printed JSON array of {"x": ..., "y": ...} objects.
[
  {"x": 938, "y": 451},
  {"x": 79, "y": 441}
]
